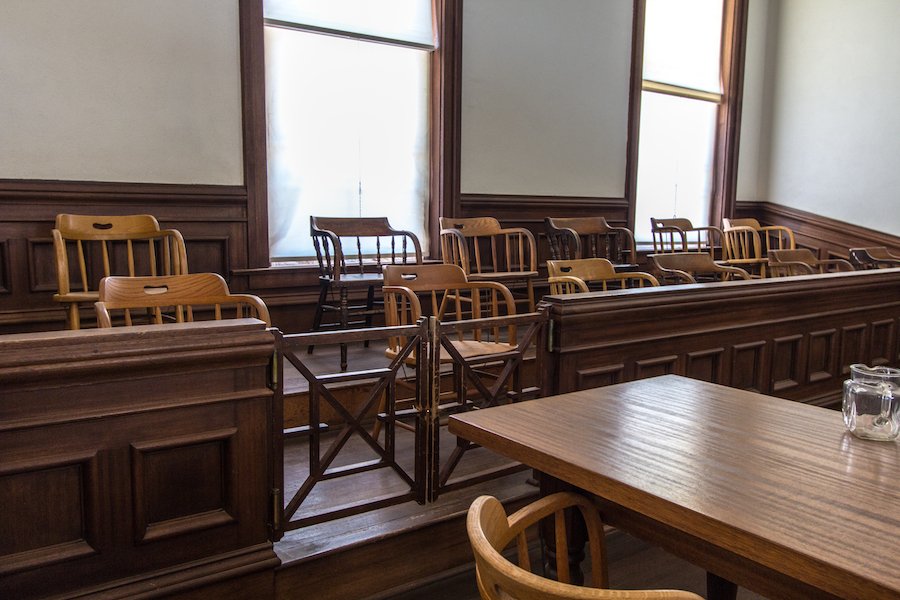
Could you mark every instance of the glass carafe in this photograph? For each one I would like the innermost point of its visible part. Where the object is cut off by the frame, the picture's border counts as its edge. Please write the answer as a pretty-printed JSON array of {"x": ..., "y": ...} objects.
[{"x": 872, "y": 402}]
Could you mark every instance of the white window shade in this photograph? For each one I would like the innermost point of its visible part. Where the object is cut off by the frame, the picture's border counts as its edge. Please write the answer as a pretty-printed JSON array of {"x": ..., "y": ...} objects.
[
  {"x": 403, "y": 20},
  {"x": 682, "y": 43},
  {"x": 347, "y": 135}
]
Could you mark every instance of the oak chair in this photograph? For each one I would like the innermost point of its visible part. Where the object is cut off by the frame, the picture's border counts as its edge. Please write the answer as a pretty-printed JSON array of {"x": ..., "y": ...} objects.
[
  {"x": 443, "y": 291},
  {"x": 573, "y": 276},
  {"x": 89, "y": 248},
  {"x": 693, "y": 267},
  {"x": 773, "y": 237},
  {"x": 873, "y": 257},
  {"x": 488, "y": 252},
  {"x": 351, "y": 252},
  {"x": 801, "y": 261},
  {"x": 491, "y": 532},
  {"x": 743, "y": 249},
  {"x": 180, "y": 297},
  {"x": 590, "y": 237},
  {"x": 680, "y": 235}
]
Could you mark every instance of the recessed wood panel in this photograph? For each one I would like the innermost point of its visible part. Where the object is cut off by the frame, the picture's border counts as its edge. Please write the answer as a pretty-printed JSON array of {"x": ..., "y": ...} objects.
[
  {"x": 821, "y": 362},
  {"x": 208, "y": 255},
  {"x": 853, "y": 346},
  {"x": 705, "y": 365},
  {"x": 42, "y": 265},
  {"x": 182, "y": 484},
  {"x": 786, "y": 364},
  {"x": 47, "y": 512},
  {"x": 651, "y": 367},
  {"x": 747, "y": 366},
  {"x": 5, "y": 285},
  {"x": 882, "y": 342},
  {"x": 599, "y": 376}
]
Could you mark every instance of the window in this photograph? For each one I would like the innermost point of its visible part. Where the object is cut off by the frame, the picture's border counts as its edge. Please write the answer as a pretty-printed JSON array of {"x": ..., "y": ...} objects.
[
  {"x": 681, "y": 100},
  {"x": 347, "y": 96}
]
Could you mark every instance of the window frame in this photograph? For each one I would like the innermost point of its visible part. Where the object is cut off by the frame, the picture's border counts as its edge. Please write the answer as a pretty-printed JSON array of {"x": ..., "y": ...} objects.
[{"x": 728, "y": 115}]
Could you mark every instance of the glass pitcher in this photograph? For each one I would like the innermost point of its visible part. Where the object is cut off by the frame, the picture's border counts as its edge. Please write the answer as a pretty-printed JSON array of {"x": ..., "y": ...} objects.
[{"x": 872, "y": 402}]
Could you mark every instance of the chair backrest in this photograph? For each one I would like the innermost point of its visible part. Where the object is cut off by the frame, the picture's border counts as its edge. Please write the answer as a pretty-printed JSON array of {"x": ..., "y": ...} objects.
[
  {"x": 89, "y": 248},
  {"x": 479, "y": 245},
  {"x": 774, "y": 237},
  {"x": 346, "y": 245},
  {"x": 182, "y": 295},
  {"x": 589, "y": 237},
  {"x": 693, "y": 267},
  {"x": 873, "y": 257},
  {"x": 802, "y": 261},
  {"x": 680, "y": 235},
  {"x": 742, "y": 243},
  {"x": 562, "y": 275},
  {"x": 491, "y": 531},
  {"x": 449, "y": 296}
]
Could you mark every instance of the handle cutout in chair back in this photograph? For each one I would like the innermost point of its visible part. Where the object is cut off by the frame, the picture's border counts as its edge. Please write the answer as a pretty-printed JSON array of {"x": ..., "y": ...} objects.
[
  {"x": 102, "y": 225},
  {"x": 155, "y": 290},
  {"x": 459, "y": 225},
  {"x": 409, "y": 276},
  {"x": 566, "y": 269}
]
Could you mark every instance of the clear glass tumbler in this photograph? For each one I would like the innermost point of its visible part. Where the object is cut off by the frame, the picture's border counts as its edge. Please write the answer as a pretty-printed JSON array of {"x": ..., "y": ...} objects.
[{"x": 872, "y": 402}]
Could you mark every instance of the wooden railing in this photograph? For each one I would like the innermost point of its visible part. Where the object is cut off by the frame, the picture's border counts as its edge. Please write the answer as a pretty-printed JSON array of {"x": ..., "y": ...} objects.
[{"x": 792, "y": 337}]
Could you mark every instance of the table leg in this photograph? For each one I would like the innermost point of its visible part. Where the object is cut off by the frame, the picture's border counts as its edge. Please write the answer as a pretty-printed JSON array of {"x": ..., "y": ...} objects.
[
  {"x": 576, "y": 532},
  {"x": 719, "y": 589}
]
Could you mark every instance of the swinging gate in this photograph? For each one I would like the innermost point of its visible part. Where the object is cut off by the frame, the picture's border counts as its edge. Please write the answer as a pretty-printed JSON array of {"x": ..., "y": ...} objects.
[{"x": 426, "y": 363}]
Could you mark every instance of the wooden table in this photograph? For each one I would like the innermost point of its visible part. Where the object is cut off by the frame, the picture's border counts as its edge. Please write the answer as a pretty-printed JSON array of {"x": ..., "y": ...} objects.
[{"x": 771, "y": 494}]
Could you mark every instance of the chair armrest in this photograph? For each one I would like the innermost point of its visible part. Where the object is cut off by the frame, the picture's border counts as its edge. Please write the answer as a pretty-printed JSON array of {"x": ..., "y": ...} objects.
[
  {"x": 840, "y": 264},
  {"x": 558, "y": 285}
]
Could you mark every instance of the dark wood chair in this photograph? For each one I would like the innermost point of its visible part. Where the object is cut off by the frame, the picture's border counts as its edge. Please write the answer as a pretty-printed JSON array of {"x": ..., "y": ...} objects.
[
  {"x": 680, "y": 235},
  {"x": 351, "y": 253},
  {"x": 693, "y": 267},
  {"x": 873, "y": 257},
  {"x": 174, "y": 298},
  {"x": 590, "y": 237},
  {"x": 573, "y": 276},
  {"x": 488, "y": 252},
  {"x": 91, "y": 247},
  {"x": 801, "y": 261},
  {"x": 491, "y": 532}
]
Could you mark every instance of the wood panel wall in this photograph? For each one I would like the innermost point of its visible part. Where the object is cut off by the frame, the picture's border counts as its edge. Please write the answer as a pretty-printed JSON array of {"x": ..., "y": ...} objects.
[
  {"x": 790, "y": 337},
  {"x": 135, "y": 461}
]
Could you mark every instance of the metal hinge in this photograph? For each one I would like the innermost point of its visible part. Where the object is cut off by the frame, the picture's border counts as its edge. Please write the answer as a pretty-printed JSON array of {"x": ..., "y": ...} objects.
[
  {"x": 550, "y": 332},
  {"x": 277, "y": 508}
]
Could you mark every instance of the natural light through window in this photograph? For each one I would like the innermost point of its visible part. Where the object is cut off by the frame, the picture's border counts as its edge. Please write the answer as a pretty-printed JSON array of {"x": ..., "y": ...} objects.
[
  {"x": 347, "y": 124},
  {"x": 679, "y": 103}
]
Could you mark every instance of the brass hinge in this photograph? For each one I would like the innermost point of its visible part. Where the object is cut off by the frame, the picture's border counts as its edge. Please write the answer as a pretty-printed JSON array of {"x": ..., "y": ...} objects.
[
  {"x": 550, "y": 332},
  {"x": 273, "y": 371}
]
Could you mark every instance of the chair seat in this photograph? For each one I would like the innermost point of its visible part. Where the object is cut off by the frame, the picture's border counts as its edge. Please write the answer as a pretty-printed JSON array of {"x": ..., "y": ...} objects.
[
  {"x": 499, "y": 276},
  {"x": 466, "y": 348},
  {"x": 356, "y": 279}
]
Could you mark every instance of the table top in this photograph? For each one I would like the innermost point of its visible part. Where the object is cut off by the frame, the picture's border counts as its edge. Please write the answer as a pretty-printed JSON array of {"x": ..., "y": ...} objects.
[{"x": 777, "y": 482}]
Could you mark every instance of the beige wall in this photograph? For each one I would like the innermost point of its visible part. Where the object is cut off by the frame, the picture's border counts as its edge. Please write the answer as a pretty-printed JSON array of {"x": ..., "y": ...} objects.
[
  {"x": 829, "y": 132},
  {"x": 120, "y": 90},
  {"x": 545, "y": 97}
]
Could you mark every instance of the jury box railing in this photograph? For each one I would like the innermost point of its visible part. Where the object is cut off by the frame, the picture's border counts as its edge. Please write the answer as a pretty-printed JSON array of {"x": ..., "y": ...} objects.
[{"x": 397, "y": 426}]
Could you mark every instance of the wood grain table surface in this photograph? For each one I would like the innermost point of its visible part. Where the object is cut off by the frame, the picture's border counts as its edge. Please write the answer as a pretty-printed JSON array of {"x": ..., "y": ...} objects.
[{"x": 771, "y": 494}]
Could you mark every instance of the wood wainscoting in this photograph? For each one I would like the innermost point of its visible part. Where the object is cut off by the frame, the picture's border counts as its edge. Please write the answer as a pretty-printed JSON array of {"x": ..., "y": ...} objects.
[
  {"x": 791, "y": 337},
  {"x": 136, "y": 462}
]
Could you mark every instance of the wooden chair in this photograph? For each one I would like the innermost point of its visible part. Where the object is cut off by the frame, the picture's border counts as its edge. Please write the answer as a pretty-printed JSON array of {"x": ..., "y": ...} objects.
[
  {"x": 573, "y": 276},
  {"x": 491, "y": 532},
  {"x": 184, "y": 295},
  {"x": 774, "y": 237},
  {"x": 351, "y": 253},
  {"x": 801, "y": 261},
  {"x": 488, "y": 252},
  {"x": 89, "y": 248},
  {"x": 873, "y": 257},
  {"x": 680, "y": 235},
  {"x": 743, "y": 249},
  {"x": 693, "y": 267},
  {"x": 442, "y": 290},
  {"x": 590, "y": 237}
]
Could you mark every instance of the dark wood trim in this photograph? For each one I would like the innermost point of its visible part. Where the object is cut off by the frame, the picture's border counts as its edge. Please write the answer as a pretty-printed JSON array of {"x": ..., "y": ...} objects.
[
  {"x": 634, "y": 109},
  {"x": 62, "y": 191},
  {"x": 253, "y": 101},
  {"x": 471, "y": 203},
  {"x": 728, "y": 129},
  {"x": 446, "y": 76}
]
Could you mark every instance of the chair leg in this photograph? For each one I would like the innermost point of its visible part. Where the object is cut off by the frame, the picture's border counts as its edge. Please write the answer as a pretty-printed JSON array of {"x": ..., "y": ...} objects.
[
  {"x": 74, "y": 316},
  {"x": 345, "y": 320},
  {"x": 370, "y": 304},
  {"x": 317, "y": 318}
]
